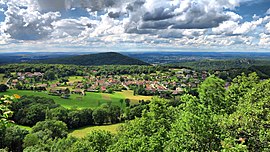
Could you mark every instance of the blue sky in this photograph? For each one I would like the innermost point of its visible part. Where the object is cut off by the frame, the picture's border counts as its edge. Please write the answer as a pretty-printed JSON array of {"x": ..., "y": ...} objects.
[{"x": 134, "y": 25}]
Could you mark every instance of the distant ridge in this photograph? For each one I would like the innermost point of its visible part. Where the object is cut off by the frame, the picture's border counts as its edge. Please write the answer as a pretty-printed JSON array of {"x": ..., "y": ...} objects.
[{"x": 108, "y": 58}]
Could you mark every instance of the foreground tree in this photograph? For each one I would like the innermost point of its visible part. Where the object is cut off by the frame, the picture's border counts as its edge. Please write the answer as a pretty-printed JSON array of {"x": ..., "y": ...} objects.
[
  {"x": 250, "y": 123},
  {"x": 239, "y": 87},
  {"x": 195, "y": 128},
  {"x": 212, "y": 94},
  {"x": 148, "y": 133},
  {"x": 13, "y": 138}
]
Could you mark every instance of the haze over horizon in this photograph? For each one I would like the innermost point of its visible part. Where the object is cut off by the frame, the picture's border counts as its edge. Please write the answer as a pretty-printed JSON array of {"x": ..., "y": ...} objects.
[{"x": 134, "y": 25}]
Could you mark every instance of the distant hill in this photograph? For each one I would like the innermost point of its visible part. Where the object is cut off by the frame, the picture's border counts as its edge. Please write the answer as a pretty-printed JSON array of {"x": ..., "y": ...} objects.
[{"x": 109, "y": 58}]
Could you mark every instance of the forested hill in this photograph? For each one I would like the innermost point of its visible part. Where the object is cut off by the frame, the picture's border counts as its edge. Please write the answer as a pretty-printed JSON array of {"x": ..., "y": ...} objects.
[{"x": 109, "y": 58}]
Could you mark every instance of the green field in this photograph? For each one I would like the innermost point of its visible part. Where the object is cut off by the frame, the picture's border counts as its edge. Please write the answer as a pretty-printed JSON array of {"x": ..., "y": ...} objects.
[
  {"x": 91, "y": 100},
  {"x": 75, "y": 78},
  {"x": 85, "y": 130}
]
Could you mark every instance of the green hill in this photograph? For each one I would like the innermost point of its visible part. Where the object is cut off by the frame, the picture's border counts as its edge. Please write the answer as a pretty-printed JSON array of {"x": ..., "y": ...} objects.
[{"x": 109, "y": 58}]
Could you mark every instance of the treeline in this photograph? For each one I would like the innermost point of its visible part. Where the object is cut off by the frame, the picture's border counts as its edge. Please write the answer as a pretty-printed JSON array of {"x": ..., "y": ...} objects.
[
  {"x": 61, "y": 71},
  {"x": 222, "y": 64},
  {"x": 229, "y": 69},
  {"x": 32, "y": 109}
]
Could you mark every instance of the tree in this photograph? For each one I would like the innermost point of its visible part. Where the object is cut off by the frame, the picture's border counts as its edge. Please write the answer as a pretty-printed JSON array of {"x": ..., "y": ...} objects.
[
  {"x": 13, "y": 139},
  {"x": 127, "y": 101},
  {"x": 5, "y": 111},
  {"x": 239, "y": 87},
  {"x": 99, "y": 140},
  {"x": 74, "y": 119},
  {"x": 114, "y": 113},
  {"x": 152, "y": 129},
  {"x": 212, "y": 94},
  {"x": 34, "y": 114},
  {"x": 57, "y": 129},
  {"x": 67, "y": 144},
  {"x": 86, "y": 117},
  {"x": 195, "y": 129},
  {"x": 49, "y": 75},
  {"x": 100, "y": 116},
  {"x": 3, "y": 88},
  {"x": 249, "y": 124},
  {"x": 59, "y": 113}
]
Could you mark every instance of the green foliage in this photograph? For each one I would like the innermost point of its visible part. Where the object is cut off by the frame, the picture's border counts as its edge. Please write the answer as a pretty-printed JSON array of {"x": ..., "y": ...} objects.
[
  {"x": 49, "y": 75},
  {"x": 223, "y": 119},
  {"x": 56, "y": 129},
  {"x": 13, "y": 138},
  {"x": 100, "y": 116},
  {"x": 99, "y": 140},
  {"x": 195, "y": 128},
  {"x": 148, "y": 133},
  {"x": 3, "y": 88},
  {"x": 31, "y": 110},
  {"x": 5, "y": 111},
  {"x": 239, "y": 87},
  {"x": 110, "y": 58},
  {"x": 79, "y": 118},
  {"x": 250, "y": 122},
  {"x": 212, "y": 94},
  {"x": 70, "y": 143}
]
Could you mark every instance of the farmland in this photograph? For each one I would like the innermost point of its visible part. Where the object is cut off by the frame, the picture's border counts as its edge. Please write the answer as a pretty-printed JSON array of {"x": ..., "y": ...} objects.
[
  {"x": 91, "y": 100},
  {"x": 81, "y": 132}
]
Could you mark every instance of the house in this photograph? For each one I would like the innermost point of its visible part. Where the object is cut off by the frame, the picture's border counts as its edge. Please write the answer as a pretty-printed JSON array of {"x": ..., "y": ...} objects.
[
  {"x": 15, "y": 81},
  {"x": 78, "y": 91},
  {"x": 55, "y": 92},
  {"x": 53, "y": 85},
  {"x": 103, "y": 88},
  {"x": 178, "y": 91},
  {"x": 37, "y": 74},
  {"x": 41, "y": 87}
]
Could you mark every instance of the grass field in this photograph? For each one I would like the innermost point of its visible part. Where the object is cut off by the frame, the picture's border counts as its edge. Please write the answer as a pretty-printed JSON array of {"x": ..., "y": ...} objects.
[
  {"x": 81, "y": 132},
  {"x": 129, "y": 94},
  {"x": 85, "y": 130},
  {"x": 75, "y": 78},
  {"x": 91, "y": 100}
]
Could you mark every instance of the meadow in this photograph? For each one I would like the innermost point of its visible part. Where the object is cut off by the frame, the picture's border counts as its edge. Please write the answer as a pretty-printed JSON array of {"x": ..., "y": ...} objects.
[
  {"x": 80, "y": 133},
  {"x": 91, "y": 100}
]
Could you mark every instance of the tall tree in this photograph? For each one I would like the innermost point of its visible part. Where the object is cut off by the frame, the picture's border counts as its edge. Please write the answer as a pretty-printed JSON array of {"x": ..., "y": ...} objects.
[{"x": 212, "y": 94}]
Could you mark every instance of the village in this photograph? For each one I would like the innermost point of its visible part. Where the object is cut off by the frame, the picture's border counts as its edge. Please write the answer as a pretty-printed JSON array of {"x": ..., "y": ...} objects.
[{"x": 173, "y": 82}]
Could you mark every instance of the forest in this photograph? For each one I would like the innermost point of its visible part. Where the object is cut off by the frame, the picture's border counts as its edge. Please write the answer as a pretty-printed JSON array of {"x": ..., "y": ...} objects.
[{"x": 217, "y": 119}]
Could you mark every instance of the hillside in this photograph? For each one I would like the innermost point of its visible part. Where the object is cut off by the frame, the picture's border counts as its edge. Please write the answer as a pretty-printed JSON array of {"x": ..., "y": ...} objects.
[
  {"x": 222, "y": 64},
  {"x": 109, "y": 58}
]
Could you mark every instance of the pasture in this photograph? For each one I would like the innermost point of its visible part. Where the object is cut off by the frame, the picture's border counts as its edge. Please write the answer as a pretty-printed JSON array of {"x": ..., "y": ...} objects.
[
  {"x": 80, "y": 133},
  {"x": 91, "y": 100}
]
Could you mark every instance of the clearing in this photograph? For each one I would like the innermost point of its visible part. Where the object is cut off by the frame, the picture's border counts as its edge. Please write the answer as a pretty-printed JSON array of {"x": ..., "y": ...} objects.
[{"x": 85, "y": 130}]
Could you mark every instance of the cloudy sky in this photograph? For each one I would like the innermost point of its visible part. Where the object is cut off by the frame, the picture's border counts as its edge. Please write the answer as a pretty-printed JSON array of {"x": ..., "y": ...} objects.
[{"x": 134, "y": 25}]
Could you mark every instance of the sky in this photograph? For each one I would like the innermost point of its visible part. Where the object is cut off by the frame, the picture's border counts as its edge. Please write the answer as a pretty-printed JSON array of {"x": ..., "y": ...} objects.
[{"x": 134, "y": 25}]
